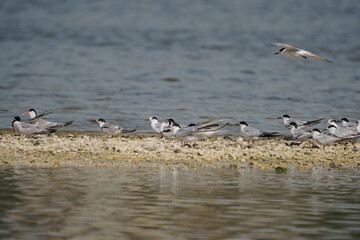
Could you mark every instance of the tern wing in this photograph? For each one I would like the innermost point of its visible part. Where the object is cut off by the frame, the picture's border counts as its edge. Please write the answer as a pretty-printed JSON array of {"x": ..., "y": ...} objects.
[
  {"x": 287, "y": 46},
  {"x": 167, "y": 132},
  {"x": 301, "y": 134},
  {"x": 312, "y": 122},
  {"x": 54, "y": 125},
  {"x": 348, "y": 138},
  {"x": 112, "y": 126},
  {"x": 212, "y": 128},
  {"x": 270, "y": 134},
  {"x": 320, "y": 58},
  {"x": 251, "y": 132},
  {"x": 310, "y": 54},
  {"x": 46, "y": 124},
  {"x": 28, "y": 128},
  {"x": 184, "y": 131},
  {"x": 126, "y": 130},
  {"x": 35, "y": 119},
  {"x": 208, "y": 123}
]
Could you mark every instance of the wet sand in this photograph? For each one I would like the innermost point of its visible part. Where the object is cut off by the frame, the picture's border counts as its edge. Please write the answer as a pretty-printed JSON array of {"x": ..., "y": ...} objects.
[{"x": 95, "y": 150}]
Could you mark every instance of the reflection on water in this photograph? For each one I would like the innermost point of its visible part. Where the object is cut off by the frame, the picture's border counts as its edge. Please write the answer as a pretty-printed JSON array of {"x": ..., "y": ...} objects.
[{"x": 71, "y": 203}]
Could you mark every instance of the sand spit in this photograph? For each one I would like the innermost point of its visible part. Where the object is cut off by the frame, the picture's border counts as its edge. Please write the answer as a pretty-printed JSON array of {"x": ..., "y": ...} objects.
[{"x": 83, "y": 150}]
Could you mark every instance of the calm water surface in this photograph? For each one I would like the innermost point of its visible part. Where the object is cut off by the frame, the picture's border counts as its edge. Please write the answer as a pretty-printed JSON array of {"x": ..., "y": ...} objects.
[
  {"x": 87, "y": 59},
  {"x": 133, "y": 203}
]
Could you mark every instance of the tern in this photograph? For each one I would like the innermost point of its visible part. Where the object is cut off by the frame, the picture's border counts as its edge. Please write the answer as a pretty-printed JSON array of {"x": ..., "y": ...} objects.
[
  {"x": 45, "y": 125},
  {"x": 111, "y": 128},
  {"x": 208, "y": 128},
  {"x": 300, "y": 123},
  {"x": 327, "y": 139},
  {"x": 155, "y": 124},
  {"x": 204, "y": 128},
  {"x": 334, "y": 122},
  {"x": 347, "y": 124},
  {"x": 358, "y": 125},
  {"x": 340, "y": 128},
  {"x": 26, "y": 128},
  {"x": 299, "y": 134},
  {"x": 171, "y": 129},
  {"x": 344, "y": 133},
  {"x": 166, "y": 125},
  {"x": 251, "y": 133},
  {"x": 290, "y": 51}
]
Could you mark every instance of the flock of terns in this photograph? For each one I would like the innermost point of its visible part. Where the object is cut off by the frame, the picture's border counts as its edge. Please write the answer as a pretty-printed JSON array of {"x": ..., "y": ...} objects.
[
  {"x": 348, "y": 131},
  {"x": 171, "y": 129}
]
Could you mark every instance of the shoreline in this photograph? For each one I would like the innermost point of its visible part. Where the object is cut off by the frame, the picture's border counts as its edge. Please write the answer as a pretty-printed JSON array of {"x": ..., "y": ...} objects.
[{"x": 78, "y": 149}]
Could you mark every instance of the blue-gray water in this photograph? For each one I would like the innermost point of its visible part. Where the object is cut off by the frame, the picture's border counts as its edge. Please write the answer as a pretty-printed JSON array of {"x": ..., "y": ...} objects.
[
  {"x": 153, "y": 203},
  {"x": 87, "y": 59}
]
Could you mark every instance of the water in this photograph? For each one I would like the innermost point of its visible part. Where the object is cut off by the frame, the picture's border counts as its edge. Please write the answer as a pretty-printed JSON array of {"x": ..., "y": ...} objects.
[
  {"x": 88, "y": 59},
  {"x": 133, "y": 203}
]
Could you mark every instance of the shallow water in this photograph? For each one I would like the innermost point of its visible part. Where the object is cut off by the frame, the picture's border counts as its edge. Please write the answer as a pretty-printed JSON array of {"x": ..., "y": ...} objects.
[
  {"x": 157, "y": 203},
  {"x": 128, "y": 60}
]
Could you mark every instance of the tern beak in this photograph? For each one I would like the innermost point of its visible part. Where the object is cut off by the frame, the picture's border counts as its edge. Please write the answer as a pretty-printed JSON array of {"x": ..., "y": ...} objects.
[
  {"x": 279, "y": 118},
  {"x": 25, "y": 113},
  {"x": 276, "y": 53}
]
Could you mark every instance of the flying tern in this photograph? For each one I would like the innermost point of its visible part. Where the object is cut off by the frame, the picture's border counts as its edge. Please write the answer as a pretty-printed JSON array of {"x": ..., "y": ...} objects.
[
  {"x": 300, "y": 123},
  {"x": 45, "y": 125},
  {"x": 290, "y": 51},
  {"x": 251, "y": 133},
  {"x": 111, "y": 128}
]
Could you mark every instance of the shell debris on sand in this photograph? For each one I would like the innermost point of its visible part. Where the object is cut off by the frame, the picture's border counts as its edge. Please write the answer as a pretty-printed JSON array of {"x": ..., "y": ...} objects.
[{"x": 81, "y": 150}]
